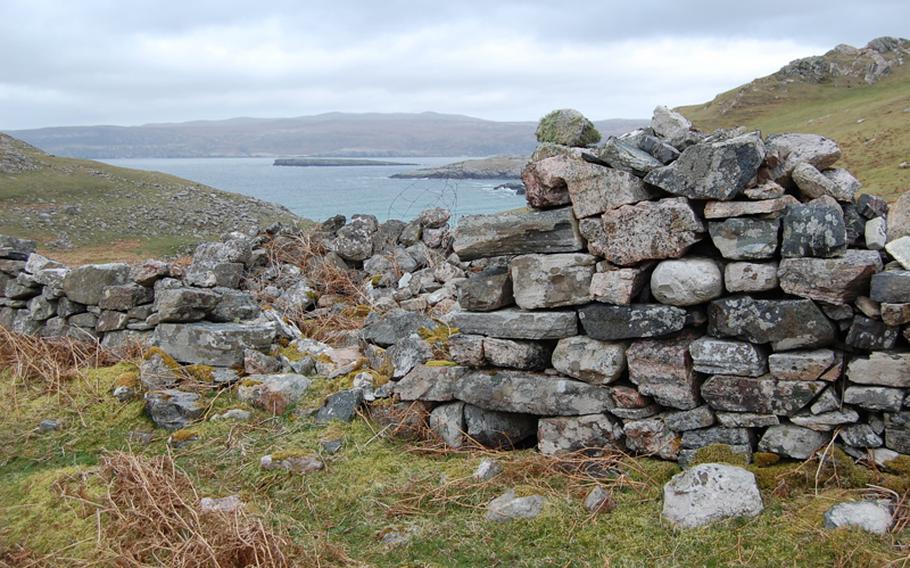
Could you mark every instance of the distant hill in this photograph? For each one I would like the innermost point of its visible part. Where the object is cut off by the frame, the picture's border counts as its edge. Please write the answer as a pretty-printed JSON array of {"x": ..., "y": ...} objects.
[
  {"x": 857, "y": 96},
  {"x": 369, "y": 135},
  {"x": 99, "y": 212}
]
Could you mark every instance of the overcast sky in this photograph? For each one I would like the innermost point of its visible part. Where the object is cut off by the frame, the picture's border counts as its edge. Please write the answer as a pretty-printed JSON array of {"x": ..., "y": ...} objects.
[{"x": 136, "y": 61}]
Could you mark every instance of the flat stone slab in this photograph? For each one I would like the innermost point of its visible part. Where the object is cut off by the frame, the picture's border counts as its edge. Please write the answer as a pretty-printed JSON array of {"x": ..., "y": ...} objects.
[
  {"x": 517, "y": 324},
  {"x": 216, "y": 344},
  {"x": 881, "y": 368},
  {"x": 785, "y": 324},
  {"x": 833, "y": 280},
  {"x": 513, "y": 233},
  {"x": 532, "y": 393},
  {"x": 801, "y": 365},
  {"x": 605, "y": 322},
  {"x": 761, "y": 395},
  {"x": 724, "y": 357},
  {"x": 436, "y": 384},
  {"x": 725, "y": 209},
  {"x": 710, "y": 492}
]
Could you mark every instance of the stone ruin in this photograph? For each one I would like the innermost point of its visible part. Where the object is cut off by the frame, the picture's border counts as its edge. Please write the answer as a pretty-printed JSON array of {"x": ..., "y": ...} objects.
[{"x": 665, "y": 290}]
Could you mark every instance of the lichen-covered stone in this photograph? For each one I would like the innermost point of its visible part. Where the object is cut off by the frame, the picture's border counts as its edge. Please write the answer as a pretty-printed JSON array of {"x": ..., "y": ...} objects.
[
  {"x": 801, "y": 365},
  {"x": 791, "y": 149},
  {"x": 86, "y": 284},
  {"x": 485, "y": 291},
  {"x": 590, "y": 360},
  {"x": 532, "y": 393},
  {"x": 881, "y": 368},
  {"x": 512, "y": 354},
  {"x": 552, "y": 280},
  {"x": 567, "y": 127},
  {"x": 724, "y": 357},
  {"x": 761, "y": 395},
  {"x": 744, "y": 238},
  {"x": 650, "y": 230},
  {"x": 712, "y": 170},
  {"x": 663, "y": 369},
  {"x": 833, "y": 280},
  {"x": 573, "y": 433},
  {"x": 606, "y": 322},
  {"x": 217, "y": 344},
  {"x": 750, "y": 276},
  {"x": 792, "y": 441},
  {"x": 517, "y": 324},
  {"x": 618, "y": 285},
  {"x": 815, "y": 229},
  {"x": 517, "y": 232},
  {"x": 785, "y": 324}
]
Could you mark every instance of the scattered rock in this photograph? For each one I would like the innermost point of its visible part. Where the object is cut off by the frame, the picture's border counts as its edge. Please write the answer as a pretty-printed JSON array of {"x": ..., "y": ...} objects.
[
  {"x": 508, "y": 507},
  {"x": 871, "y": 516},
  {"x": 710, "y": 492}
]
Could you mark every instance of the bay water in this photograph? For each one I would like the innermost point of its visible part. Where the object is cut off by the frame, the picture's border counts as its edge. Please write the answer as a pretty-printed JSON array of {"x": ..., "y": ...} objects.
[{"x": 320, "y": 192}]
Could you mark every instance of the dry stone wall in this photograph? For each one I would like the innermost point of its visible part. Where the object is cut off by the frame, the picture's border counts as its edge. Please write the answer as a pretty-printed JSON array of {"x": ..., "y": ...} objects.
[{"x": 670, "y": 289}]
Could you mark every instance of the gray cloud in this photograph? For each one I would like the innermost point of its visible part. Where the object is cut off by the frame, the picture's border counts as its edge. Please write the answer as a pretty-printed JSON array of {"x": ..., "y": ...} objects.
[{"x": 105, "y": 61}]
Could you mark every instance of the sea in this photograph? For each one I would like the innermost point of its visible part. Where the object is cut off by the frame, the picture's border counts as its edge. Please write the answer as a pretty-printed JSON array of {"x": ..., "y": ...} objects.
[{"x": 320, "y": 192}]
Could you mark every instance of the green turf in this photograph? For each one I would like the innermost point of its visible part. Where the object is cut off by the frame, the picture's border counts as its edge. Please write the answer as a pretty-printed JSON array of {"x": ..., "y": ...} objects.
[{"x": 377, "y": 485}]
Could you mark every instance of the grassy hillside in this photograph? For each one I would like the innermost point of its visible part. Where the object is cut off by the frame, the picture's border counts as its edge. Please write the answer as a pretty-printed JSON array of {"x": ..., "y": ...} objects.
[
  {"x": 870, "y": 122},
  {"x": 84, "y": 210}
]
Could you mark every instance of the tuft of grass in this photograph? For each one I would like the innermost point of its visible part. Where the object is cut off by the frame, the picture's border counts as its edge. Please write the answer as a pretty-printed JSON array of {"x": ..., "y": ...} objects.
[{"x": 718, "y": 453}]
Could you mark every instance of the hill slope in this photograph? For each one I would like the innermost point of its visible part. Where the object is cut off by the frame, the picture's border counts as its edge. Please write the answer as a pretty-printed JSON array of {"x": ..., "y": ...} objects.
[
  {"x": 332, "y": 134},
  {"x": 859, "y": 97},
  {"x": 105, "y": 212}
]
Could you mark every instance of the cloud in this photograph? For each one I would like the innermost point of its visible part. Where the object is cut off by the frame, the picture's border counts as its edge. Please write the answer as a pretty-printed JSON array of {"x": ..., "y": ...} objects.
[{"x": 101, "y": 61}]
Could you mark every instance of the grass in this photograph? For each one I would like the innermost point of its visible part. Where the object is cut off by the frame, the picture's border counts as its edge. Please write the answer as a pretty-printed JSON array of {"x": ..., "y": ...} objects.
[
  {"x": 870, "y": 122},
  {"x": 378, "y": 485},
  {"x": 90, "y": 211}
]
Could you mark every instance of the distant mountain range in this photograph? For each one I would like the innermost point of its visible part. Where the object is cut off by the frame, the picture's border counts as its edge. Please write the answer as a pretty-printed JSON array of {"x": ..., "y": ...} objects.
[{"x": 367, "y": 135}]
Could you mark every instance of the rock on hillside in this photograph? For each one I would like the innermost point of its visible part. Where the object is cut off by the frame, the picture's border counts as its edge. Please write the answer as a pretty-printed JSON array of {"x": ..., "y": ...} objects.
[
  {"x": 15, "y": 156},
  {"x": 496, "y": 167},
  {"x": 843, "y": 66},
  {"x": 68, "y": 203}
]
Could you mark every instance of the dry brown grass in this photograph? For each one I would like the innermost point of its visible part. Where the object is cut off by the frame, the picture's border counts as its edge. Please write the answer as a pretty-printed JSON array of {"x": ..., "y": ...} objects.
[
  {"x": 151, "y": 518},
  {"x": 307, "y": 251},
  {"x": 50, "y": 363}
]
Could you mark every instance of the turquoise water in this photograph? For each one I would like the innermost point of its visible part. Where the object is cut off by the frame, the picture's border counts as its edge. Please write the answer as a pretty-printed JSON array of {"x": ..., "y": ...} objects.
[{"x": 320, "y": 192}]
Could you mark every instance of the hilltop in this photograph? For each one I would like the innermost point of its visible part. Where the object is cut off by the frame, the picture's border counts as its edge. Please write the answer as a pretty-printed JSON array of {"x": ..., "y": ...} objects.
[
  {"x": 107, "y": 212},
  {"x": 858, "y": 96},
  {"x": 362, "y": 135}
]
